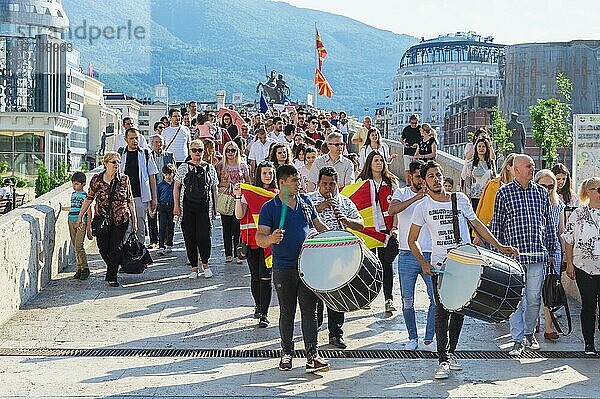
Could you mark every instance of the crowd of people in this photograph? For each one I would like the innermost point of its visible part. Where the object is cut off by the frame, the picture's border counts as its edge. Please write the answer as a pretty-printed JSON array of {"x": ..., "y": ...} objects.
[{"x": 197, "y": 168}]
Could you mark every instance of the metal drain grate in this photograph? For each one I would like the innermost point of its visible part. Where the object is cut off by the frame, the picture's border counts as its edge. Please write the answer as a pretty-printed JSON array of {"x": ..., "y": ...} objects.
[{"x": 272, "y": 354}]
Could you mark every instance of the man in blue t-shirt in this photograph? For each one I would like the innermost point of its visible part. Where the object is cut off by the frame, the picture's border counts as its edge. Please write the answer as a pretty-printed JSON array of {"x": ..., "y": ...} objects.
[{"x": 300, "y": 218}]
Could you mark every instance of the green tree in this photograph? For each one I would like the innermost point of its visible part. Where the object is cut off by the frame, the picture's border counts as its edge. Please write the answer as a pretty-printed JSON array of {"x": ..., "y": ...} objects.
[
  {"x": 551, "y": 120},
  {"x": 60, "y": 175},
  {"x": 500, "y": 133},
  {"x": 42, "y": 181},
  {"x": 3, "y": 167}
]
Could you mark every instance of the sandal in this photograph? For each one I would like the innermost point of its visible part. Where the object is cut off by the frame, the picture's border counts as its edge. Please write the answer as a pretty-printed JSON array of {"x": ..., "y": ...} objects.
[{"x": 113, "y": 283}]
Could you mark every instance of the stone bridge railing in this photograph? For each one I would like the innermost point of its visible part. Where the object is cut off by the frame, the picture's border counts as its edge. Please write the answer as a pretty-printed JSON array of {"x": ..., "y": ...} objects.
[{"x": 34, "y": 246}]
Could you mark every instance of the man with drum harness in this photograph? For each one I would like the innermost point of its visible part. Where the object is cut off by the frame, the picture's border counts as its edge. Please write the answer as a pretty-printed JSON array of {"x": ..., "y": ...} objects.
[
  {"x": 522, "y": 218},
  {"x": 337, "y": 212},
  {"x": 446, "y": 216},
  {"x": 285, "y": 222}
]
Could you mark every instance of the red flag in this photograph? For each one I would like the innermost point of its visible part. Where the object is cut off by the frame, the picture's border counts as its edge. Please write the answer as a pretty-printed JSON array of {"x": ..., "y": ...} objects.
[
  {"x": 322, "y": 53},
  {"x": 360, "y": 194},
  {"x": 322, "y": 85},
  {"x": 256, "y": 197}
]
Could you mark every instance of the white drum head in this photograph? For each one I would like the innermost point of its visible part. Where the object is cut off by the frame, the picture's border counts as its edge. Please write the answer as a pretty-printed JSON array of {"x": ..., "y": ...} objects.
[
  {"x": 462, "y": 271},
  {"x": 329, "y": 267}
]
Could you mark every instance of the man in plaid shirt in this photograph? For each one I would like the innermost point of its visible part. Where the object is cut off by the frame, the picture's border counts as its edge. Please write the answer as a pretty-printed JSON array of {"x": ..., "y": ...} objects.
[{"x": 522, "y": 220}]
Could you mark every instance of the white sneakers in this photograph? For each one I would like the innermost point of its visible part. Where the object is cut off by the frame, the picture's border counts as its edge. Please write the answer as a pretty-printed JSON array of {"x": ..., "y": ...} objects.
[
  {"x": 443, "y": 371},
  {"x": 207, "y": 273},
  {"x": 412, "y": 345},
  {"x": 430, "y": 347}
]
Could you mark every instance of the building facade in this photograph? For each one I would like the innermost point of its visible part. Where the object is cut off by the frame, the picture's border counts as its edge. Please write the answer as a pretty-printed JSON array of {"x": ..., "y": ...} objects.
[
  {"x": 438, "y": 72},
  {"x": 34, "y": 122},
  {"x": 103, "y": 121},
  {"x": 463, "y": 118},
  {"x": 531, "y": 69}
]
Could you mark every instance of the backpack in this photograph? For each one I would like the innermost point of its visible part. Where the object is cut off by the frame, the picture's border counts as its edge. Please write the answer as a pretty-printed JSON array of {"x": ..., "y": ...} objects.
[{"x": 197, "y": 185}]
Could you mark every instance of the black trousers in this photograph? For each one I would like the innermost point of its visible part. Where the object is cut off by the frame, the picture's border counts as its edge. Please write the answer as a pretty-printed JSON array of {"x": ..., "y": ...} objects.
[
  {"x": 589, "y": 288},
  {"x": 197, "y": 228},
  {"x": 290, "y": 291},
  {"x": 153, "y": 228},
  {"x": 447, "y": 326},
  {"x": 109, "y": 246},
  {"x": 231, "y": 233},
  {"x": 388, "y": 272},
  {"x": 166, "y": 228},
  {"x": 335, "y": 320},
  {"x": 260, "y": 279}
]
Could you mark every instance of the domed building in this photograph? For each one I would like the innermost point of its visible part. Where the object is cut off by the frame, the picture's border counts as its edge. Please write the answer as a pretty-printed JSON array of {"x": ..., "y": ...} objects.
[
  {"x": 438, "y": 72},
  {"x": 34, "y": 126}
]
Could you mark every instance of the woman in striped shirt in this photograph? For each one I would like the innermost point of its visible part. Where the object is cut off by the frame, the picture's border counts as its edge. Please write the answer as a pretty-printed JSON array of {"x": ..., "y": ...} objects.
[{"x": 546, "y": 178}]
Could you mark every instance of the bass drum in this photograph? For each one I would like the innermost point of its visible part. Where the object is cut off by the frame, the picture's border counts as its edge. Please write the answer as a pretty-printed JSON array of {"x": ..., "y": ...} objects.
[
  {"x": 340, "y": 270},
  {"x": 480, "y": 283}
]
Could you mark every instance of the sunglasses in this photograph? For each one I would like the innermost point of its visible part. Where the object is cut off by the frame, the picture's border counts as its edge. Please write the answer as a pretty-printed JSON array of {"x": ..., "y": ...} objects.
[
  {"x": 245, "y": 128},
  {"x": 197, "y": 150},
  {"x": 597, "y": 189},
  {"x": 231, "y": 150},
  {"x": 548, "y": 186},
  {"x": 336, "y": 144},
  {"x": 114, "y": 162},
  {"x": 314, "y": 123}
]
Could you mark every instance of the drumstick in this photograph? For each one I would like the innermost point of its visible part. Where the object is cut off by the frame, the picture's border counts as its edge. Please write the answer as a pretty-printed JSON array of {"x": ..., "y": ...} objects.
[{"x": 284, "y": 194}]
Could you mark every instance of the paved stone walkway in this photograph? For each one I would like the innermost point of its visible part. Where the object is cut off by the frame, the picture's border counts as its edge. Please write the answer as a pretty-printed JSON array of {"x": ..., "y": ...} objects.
[{"x": 164, "y": 309}]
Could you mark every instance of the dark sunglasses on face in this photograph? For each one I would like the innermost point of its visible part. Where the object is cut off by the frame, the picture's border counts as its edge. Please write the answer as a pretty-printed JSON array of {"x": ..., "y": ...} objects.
[
  {"x": 548, "y": 186},
  {"x": 314, "y": 123},
  {"x": 231, "y": 150},
  {"x": 597, "y": 189},
  {"x": 197, "y": 150},
  {"x": 336, "y": 144},
  {"x": 114, "y": 162}
]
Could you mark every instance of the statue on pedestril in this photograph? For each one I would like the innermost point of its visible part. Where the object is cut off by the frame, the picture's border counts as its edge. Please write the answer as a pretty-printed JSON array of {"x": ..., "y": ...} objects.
[
  {"x": 275, "y": 89},
  {"x": 518, "y": 133}
]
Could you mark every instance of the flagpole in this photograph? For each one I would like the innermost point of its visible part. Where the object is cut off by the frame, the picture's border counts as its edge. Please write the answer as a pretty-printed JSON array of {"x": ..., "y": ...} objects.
[{"x": 316, "y": 66}]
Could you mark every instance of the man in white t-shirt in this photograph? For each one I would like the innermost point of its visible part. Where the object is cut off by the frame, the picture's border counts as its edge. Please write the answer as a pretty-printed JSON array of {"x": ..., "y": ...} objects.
[
  {"x": 177, "y": 137},
  {"x": 404, "y": 201},
  {"x": 277, "y": 134},
  {"x": 435, "y": 212},
  {"x": 259, "y": 150}
]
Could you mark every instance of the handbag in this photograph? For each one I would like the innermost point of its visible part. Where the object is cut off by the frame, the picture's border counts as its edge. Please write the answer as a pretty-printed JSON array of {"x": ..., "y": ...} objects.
[
  {"x": 135, "y": 256},
  {"x": 101, "y": 224},
  {"x": 225, "y": 204},
  {"x": 391, "y": 250},
  {"x": 553, "y": 294},
  {"x": 241, "y": 250}
]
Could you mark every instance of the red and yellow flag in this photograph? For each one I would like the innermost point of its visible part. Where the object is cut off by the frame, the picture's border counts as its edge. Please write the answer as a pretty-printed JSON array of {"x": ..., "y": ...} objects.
[
  {"x": 360, "y": 194},
  {"x": 321, "y": 52},
  {"x": 322, "y": 85},
  {"x": 256, "y": 197}
]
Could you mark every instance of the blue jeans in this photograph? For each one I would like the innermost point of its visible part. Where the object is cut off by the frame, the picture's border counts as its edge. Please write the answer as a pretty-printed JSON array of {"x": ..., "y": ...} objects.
[
  {"x": 523, "y": 321},
  {"x": 408, "y": 271}
]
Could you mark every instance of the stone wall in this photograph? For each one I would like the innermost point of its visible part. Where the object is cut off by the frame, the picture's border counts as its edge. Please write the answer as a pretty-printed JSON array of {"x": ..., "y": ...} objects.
[{"x": 34, "y": 246}]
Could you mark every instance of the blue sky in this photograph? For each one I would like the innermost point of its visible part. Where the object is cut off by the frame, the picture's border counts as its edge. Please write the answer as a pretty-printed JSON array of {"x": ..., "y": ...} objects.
[{"x": 508, "y": 21}]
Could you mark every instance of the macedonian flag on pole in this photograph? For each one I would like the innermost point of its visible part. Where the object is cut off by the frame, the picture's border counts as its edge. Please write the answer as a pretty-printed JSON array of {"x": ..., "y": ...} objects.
[
  {"x": 360, "y": 194},
  {"x": 323, "y": 87},
  {"x": 256, "y": 197}
]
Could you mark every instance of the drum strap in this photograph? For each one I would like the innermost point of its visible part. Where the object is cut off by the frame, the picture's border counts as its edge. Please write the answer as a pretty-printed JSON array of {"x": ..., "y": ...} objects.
[{"x": 455, "y": 227}]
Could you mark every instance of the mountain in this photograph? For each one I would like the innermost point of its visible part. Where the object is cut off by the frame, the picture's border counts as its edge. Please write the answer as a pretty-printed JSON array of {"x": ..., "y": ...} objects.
[{"x": 207, "y": 45}]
